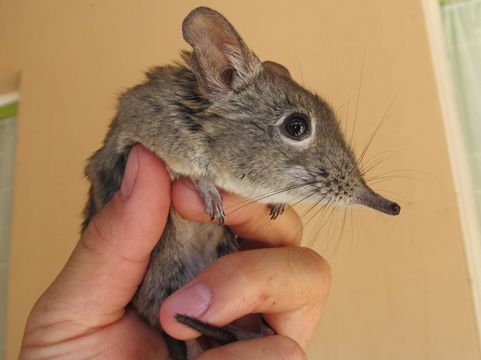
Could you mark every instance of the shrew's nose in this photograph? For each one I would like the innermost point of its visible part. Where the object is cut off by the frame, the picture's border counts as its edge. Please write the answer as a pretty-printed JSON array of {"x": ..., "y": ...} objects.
[{"x": 375, "y": 201}]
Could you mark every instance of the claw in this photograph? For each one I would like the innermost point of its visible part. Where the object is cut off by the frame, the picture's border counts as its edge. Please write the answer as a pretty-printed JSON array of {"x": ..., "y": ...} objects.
[
  {"x": 276, "y": 210},
  {"x": 214, "y": 206}
]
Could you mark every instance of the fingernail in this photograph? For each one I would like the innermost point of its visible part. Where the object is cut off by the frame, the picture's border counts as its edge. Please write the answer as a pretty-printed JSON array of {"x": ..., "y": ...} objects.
[
  {"x": 193, "y": 300},
  {"x": 130, "y": 173}
]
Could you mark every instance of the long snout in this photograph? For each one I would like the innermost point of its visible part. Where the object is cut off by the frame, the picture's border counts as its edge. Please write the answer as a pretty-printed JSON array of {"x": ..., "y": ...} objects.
[{"x": 369, "y": 198}]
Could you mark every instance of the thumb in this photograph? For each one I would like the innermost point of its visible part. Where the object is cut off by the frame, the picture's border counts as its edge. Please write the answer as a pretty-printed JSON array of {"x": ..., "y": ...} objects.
[{"x": 109, "y": 261}]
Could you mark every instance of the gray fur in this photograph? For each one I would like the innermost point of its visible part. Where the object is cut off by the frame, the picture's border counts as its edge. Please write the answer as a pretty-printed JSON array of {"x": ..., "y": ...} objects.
[{"x": 216, "y": 118}]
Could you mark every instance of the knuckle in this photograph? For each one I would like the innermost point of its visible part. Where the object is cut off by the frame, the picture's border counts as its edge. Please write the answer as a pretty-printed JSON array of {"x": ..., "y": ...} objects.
[
  {"x": 236, "y": 266},
  {"x": 319, "y": 268},
  {"x": 242, "y": 264},
  {"x": 285, "y": 348},
  {"x": 246, "y": 270},
  {"x": 94, "y": 231},
  {"x": 297, "y": 225},
  {"x": 98, "y": 234}
]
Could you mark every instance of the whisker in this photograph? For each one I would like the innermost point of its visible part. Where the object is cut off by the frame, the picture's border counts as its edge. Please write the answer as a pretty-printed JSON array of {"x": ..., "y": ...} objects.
[
  {"x": 323, "y": 223},
  {"x": 318, "y": 211},
  {"x": 351, "y": 244},
  {"x": 248, "y": 202},
  {"x": 380, "y": 178},
  {"x": 306, "y": 222},
  {"x": 358, "y": 98},
  {"x": 330, "y": 218},
  {"x": 341, "y": 232},
  {"x": 378, "y": 127},
  {"x": 300, "y": 69},
  {"x": 375, "y": 160},
  {"x": 297, "y": 202},
  {"x": 345, "y": 130}
]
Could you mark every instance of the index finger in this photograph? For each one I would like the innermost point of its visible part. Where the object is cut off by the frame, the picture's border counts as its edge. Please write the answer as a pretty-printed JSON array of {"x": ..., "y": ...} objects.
[{"x": 247, "y": 219}]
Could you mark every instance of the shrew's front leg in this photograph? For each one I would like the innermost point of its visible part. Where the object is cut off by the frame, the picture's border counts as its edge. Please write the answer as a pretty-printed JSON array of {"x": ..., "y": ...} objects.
[{"x": 213, "y": 204}]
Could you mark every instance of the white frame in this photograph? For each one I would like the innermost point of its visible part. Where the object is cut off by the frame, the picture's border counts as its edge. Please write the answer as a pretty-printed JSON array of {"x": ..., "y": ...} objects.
[{"x": 457, "y": 152}]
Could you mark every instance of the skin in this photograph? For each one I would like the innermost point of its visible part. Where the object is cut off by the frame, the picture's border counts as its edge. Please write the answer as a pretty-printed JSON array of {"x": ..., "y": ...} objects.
[{"x": 85, "y": 314}]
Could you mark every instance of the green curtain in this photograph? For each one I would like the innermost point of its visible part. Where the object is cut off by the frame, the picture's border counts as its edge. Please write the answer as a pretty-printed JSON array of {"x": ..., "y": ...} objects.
[
  {"x": 8, "y": 110},
  {"x": 462, "y": 27}
]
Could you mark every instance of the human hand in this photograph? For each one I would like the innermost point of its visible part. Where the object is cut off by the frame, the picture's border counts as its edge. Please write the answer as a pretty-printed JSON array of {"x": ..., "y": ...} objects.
[{"x": 84, "y": 312}]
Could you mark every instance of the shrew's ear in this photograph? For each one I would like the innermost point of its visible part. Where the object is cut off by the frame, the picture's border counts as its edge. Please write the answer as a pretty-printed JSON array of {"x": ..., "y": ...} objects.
[
  {"x": 276, "y": 68},
  {"x": 220, "y": 59}
]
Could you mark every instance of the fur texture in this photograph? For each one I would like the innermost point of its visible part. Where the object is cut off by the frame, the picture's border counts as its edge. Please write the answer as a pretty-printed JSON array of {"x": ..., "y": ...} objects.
[{"x": 217, "y": 118}]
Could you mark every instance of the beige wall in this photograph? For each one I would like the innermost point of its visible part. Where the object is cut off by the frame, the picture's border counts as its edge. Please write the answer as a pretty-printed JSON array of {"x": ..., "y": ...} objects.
[{"x": 400, "y": 285}]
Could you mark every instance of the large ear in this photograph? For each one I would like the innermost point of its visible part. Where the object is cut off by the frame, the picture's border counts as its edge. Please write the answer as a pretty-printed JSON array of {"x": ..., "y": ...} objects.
[
  {"x": 276, "y": 68},
  {"x": 220, "y": 59}
]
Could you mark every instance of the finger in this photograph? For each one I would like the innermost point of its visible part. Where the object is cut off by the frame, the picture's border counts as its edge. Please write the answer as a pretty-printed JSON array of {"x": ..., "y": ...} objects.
[
  {"x": 130, "y": 338},
  {"x": 109, "y": 261},
  {"x": 287, "y": 285},
  {"x": 270, "y": 347},
  {"x": 247, "y": 219}
]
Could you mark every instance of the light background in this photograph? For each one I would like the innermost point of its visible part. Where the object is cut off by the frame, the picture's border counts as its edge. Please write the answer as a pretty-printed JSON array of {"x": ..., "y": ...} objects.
[{"x": 400, "y": 285}]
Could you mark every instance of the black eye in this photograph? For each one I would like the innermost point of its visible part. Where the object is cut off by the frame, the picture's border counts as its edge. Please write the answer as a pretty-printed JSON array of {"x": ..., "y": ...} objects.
[{"x": 296, "y": 126}]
